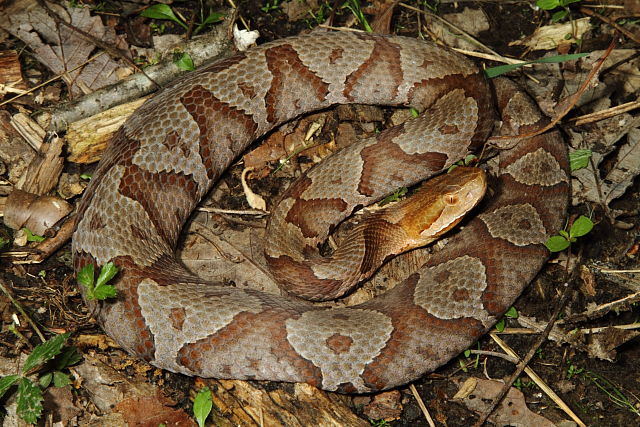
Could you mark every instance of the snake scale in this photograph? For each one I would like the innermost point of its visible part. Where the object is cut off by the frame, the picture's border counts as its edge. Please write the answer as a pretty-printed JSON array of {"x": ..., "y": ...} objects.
[{"x": 170, "y": 152}]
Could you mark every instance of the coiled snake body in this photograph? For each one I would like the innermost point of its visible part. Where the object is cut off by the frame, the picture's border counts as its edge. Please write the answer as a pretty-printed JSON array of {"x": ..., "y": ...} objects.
[{"x": 171, "y": 150}]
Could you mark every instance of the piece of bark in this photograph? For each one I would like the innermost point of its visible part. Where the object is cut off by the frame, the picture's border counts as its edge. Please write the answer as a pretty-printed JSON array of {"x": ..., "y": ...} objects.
[
  {"x": 247, "y": 403},
  {"x": 15, "y": 152},
  {"x": 87, "y": 138},
  {"x": 43, "y": 172},
  {"x": 10, "y": 71}
]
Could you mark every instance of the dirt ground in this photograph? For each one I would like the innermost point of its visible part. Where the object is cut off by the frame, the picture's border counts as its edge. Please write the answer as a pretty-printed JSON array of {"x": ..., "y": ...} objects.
[{"x": 590, "y": 359}]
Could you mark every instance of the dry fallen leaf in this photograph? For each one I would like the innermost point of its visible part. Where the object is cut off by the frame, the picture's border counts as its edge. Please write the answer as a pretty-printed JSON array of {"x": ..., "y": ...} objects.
[
  {"x": 513, "y": 410},
  {"x": 62, "y": 49},
  {"x": 37, "y": 213}
]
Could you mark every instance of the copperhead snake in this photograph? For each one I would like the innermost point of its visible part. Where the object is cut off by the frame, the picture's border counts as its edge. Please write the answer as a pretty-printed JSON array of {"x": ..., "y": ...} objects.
[{"x": 170, "y": 152}]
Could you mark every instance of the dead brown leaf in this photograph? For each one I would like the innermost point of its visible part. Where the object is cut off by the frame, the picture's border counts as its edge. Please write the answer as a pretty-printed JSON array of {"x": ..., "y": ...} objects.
[
  {"x": 477, "y": 394},
  {"x": 62, "y": 49},
  {"x": 151, "y": 412}
]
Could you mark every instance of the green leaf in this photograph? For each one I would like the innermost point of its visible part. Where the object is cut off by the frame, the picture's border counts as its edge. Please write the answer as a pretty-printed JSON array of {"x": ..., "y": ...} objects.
[
  {"x": 467, "y": 353},
  {"x": 61, "y": 379},
  {"x": 547, "y": 4},
  {"x": 105, "y": 292},
  {"x": 500, "y": 325},
  {"x": 469, "y": 158},
  {"x": 45, "y": 380},
  {"x": 107, "y": 272},
  {"x": 44, "y": 352},
  {"x": 29, "y": 401},
  {"x": 559, "y": 16},
  {"x": 184, "y": 62},
  {"x": 414, "y": 112},
  {"x": 512, "y": 313},
  {"x": 7, "y": 382},
  {"x": 556, "y": 243},
  {"x": 568, "y": 2},
  {"x": 86, "y": 276},
  {"x": 501, "y": 69},
  {"x": 33, "y": 237},
  {"x": 69, "y": 357},
  {"x": 202, "y": 405},
  {"x": 579, "y": 159},
  {"x": 213, "y": 18},
  {"x": 581, "y": 226},
  {"x": 162, "y": 11},
  {"x": 86, "y": 176}
]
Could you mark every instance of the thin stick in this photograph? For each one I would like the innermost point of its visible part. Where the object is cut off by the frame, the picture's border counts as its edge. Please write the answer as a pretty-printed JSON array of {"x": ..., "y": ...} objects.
[
  {"x": 539, "y": 381},
  {"x": 422, "y": 406},
  {"x": 18, "y": 307},
  {"x": 530, "y": 355},
  {"x": 93, "y": 58}
]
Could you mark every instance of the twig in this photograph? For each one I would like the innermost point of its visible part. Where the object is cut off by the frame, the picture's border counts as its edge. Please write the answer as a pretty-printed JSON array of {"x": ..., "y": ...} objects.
[
  {"x": 18, "y": 307},
  {"x": 611, "y": 22},
  {"x": 539, "y": 382},
  {"x": 33, "y": 89},
  {"x": 255, "y": 212},
  {"x": 506, "y": 357},
  {"x": 571, "y": 102},
  {"x": 530, "y": 355},
  {"x": 605, "y": 114},
  {"x": 603, "y": 309},
  {"x": 422, "y": 406},
  {"x": 459, "y": 30}
]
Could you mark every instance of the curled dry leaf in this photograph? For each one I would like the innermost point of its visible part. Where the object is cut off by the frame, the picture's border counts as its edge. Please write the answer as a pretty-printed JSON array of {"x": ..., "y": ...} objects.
[
  {"x": 37, "y": 213},
  {"x": 552, "y": 36}
]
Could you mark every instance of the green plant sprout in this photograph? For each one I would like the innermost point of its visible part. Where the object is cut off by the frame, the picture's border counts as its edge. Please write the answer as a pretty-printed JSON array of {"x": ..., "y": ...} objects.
[
  {"x": 202, "y": 405},
  {"x": 563, "y": 240},
  {"x": 98, "y": 289},
  {"x": 356, "y": 10},
  {"x": 511, "y": 313},
  {"x": 554, "y": 4},
  {"x": 30, "y": 394},
  {"x": 164, "y": 12}
]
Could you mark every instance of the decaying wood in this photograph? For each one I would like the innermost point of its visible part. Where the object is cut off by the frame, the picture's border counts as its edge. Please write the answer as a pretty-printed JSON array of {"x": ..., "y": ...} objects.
[{"x": 10, "y": 71}]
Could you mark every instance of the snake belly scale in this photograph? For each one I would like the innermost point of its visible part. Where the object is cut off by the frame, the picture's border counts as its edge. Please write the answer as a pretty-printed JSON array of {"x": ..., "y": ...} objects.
[{"x": 171, "y": 151}]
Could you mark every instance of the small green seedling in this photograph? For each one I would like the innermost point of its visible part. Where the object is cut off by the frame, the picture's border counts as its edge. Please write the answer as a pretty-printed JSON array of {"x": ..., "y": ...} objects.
[
  {"x": 469, "y": 159},
  {"x": 400, "y": 192},
  {"x": 573, "y": 370},
  {"x": 554, "y": 4},
  {"x": 98, "y": 289},
  {"x": 183, "y": 61},
  {"x": 270, "y": 6},
  {"x": 202, "y": 405},
  {"x": 29, "y": 399},
  {"x": 4, "y": 242},
  {"x": 356, "y": 10},
  {"x": 164, "y": 12},
  {"x": 579, "y": 159},
  {"x": 579, "y": 228},
  {"x": 520, "y": 384},
  {"x": 33, "y": 237},
  {"x": 512, "y": 313}
]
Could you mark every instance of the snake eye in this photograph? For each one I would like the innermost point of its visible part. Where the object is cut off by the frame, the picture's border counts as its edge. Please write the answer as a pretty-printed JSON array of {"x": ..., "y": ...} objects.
[{"x": 450, "y": 199}]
